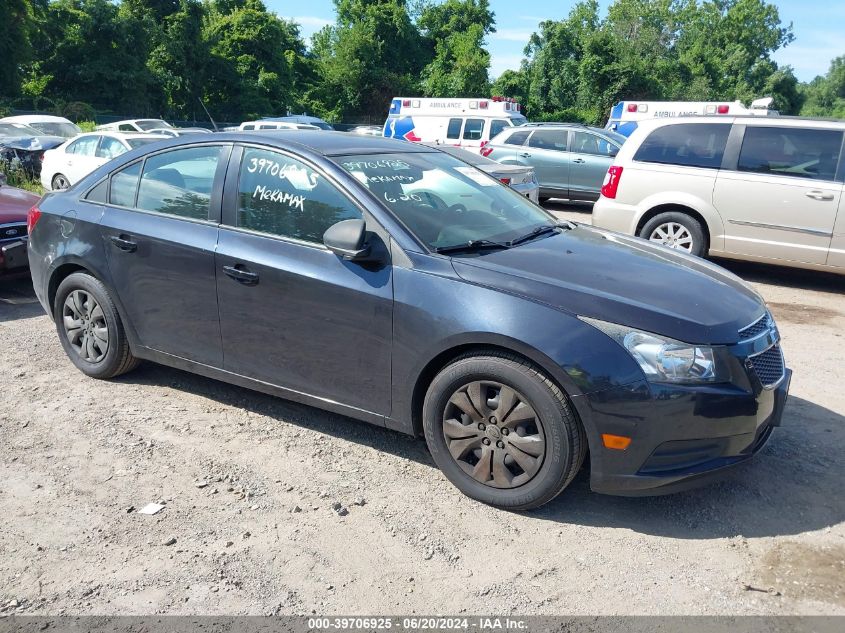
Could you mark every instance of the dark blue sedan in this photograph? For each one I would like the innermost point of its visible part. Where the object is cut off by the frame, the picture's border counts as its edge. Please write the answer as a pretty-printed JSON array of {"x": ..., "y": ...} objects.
[{"x": 395, "y": 284}]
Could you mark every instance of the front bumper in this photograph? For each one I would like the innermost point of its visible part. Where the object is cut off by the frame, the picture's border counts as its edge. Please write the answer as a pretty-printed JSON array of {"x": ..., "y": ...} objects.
[
  {"x": 682, "y": 437},
  {"x": 13, "y": 257}
]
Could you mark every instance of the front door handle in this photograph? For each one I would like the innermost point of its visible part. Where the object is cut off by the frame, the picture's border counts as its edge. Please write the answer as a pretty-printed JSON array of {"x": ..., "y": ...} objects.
[
  {"x": 239, "y": 273},
  {"x": 124, "y": 243},
  {"x": 578, "y": 160},
  {"x": 525, "y": 155},
  {"x": 815, "y": 194}
]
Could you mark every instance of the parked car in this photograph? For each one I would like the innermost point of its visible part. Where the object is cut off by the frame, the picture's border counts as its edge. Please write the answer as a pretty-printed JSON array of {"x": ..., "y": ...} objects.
[
  {"x": 14, "y": 207},
  {"x": 179, "y": 131},
  {"x": 570, "y": 159},
  {"x": 74, "y": 159},
  {"x": 386, "y": 281},
  {"x": 367, "y": 130},
  {"x": 47, "y": 125},
  {"x": 517, "y": 177},
  {"x": 22, "y": 147},
  {"x": 135, "y": 125},
  {"x": 753, "y": 188},
  {"x": 275, "y": 125},
  {"x": 302, "y": 118}
]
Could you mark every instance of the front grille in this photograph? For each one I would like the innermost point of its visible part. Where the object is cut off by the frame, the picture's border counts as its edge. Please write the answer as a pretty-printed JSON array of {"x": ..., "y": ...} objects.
[
  {"x": 769, "y": 366},
  {"x": 757, "y": 328},
  {"x": 12, "y": 231}
]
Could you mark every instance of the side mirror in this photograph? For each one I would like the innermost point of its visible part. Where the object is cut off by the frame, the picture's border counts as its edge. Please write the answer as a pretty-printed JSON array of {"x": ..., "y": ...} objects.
[
  {"x": 347, "y": 239},
  {"x": 613, "y": 151}
]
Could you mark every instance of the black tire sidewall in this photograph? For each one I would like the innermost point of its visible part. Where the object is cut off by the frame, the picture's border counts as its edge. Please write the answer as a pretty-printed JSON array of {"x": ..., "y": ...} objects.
[
  {"x": 549, "y": 481},
  {"x": 117, "y": 341},
  {"x": 690, "y": 223},
  {"x": 53, "y": 182}
]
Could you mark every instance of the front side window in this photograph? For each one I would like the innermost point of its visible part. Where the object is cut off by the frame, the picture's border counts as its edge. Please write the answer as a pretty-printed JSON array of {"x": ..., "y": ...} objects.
[
  {"x": 179, "y": 182},
  {"x": 586, "y": 143},
  {"x": 554, "y": 140},
  {"x": 124, "y": 185},
  {"x": 282, "y": 196},
  {"x": 444, "y": 201},
  {"x": 473, "y": 129},
  {"x": 805, "y": 153},
  {"x": 86, "y": 146},
  {"x": 454, "y": 129},
  {"x": 517, "y": 138},
  {"x": 497, "y": 126},
  {"x": 686, "y": 144},
  {"x": 110, "y": 148}
]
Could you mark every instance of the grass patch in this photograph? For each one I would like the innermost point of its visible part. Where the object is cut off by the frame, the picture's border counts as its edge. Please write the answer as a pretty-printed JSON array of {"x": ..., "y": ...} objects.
[{"x": 17, "y": 177}]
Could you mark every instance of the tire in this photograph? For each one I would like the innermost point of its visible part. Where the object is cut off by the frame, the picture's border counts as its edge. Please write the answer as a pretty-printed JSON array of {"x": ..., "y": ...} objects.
[
  {"x": 538, "y": 476},
  {"x": 681, "y": 230},
  {"x": 79, "y": 320},
  {"x": 59, "y": 182}
]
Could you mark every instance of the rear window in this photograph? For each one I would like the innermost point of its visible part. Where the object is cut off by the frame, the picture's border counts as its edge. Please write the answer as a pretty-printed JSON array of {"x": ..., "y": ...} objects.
[{"x": 686, "y": 144}]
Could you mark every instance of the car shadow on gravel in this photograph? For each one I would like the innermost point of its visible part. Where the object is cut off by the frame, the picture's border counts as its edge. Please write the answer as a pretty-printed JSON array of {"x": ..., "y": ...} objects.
[
  {"x": 793, "y": 486},
  {"x": 17, "y": 299},
  {"x": 785, "y": 276}
]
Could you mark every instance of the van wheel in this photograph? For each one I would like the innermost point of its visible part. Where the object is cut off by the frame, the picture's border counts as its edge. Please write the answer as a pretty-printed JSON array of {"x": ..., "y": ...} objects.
[
  {"x": 677, "y": 230},
  {"x": 501, "y": 431},
  {"x": 90, "y": 328}
]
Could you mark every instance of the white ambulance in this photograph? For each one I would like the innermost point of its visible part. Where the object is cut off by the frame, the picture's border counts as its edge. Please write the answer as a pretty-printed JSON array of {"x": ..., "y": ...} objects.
[
  {"x": 460, "y": 122},
  {"x": 625, "y": 114}
]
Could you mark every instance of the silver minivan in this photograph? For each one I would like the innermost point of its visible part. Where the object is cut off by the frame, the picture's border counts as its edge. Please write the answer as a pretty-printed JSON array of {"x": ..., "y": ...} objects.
[
  {"x": 761, "y": 189},
  {"x": 569, "y": 159}
]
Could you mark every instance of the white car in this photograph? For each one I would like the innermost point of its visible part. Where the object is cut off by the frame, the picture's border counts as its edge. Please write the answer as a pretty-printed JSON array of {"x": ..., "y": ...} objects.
[
  {"x": 46, "y": 125},
  {"x": 275, "y": 125},
  {"x": 135, "y": 125},
  {"x": 78, "y": 157},
  {"x": 767, "y": 189}
]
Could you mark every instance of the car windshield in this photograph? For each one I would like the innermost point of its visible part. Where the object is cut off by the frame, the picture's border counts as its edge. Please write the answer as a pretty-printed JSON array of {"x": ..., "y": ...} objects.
[
  {"x": 56, "y": 128},
  {"x": 152, "y": 124},
  {"x": 17, "y": 130},
  {"x": 137, "y": 142},
  {"x": 444, "y": 201},
  {"x": 519, "y": 120}
]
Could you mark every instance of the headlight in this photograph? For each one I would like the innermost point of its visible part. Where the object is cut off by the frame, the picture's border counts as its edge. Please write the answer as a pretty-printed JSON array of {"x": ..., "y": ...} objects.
[{"x": 664, "y": 359}]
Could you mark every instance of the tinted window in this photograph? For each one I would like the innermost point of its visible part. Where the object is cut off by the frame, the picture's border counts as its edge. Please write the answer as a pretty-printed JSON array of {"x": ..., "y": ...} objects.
[
  {"x": 497, "y": 126},
  {"x": 790, "y": 152},
  {"x": 549, "y": 139},
  {"x": 110, "y": 148},
  {"x": 179, "y": 182},
  {"x": 99, "y": 193},
  {"x": 473, "y": 129},
  {"x": 688, "y": 144},
  {"x": 454, "y": 130},
  {"x": 517, "y": 138},
  {"x": 249, "y": 127},
  {"x": 586, "y": 143},
  {"x": 282, "y": 196},
  {"x": 124, "y": 184},
  {"x": 127, "y": 127},
  {"x": 86, "y": 146}
]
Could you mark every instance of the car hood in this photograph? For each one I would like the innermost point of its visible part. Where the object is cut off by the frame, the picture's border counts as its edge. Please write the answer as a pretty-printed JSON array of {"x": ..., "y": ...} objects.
[
  {"x": 620, "y": 279},
  {"x": 14, "y": 204},
  {"x": 31, "y": 143}
]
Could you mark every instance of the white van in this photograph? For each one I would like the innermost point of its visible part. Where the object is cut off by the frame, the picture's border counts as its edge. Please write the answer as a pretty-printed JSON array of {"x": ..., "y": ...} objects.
[
  {"x": 624, "y": 116},
  {"x": 459, "y": 122},
  {"x": 275, "y": 125}
]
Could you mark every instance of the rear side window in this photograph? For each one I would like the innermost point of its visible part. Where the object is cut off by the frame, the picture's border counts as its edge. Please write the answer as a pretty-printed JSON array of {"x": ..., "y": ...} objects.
[
  {"x": 473, "y": 129},
  {"x": 86, "y": 146},
  {"x": 282, "y": 196},
  {"x": 249, "y": 127},
  {"x": 518, "y": 138},
  {"x": 687, "y": 144},
  {"x": 549, "y": 139},
  {"x": 497, "y": 126},
  {"x": 586, "y": 143},
  {"x": 454, "y": 129},
  {"x": 179, "y": 182},
  {"x": 803, "y": 153},
  {"x": 124, "y": 185},
  {"x": 110, "y": 148},
  {"x": 99, "y": 194}
]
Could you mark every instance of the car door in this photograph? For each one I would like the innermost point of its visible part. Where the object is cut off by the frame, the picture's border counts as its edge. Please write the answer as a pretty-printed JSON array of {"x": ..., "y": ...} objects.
[
  {"x": 781, "y": 199},
  {"x": 108, "y": 148},
  {"x": 80, "y": 158},
  {"x": 547, "y": 153},
  {"x": 589, "y": 157},
  {"x": 160, "y": 231},
  {"x": 292, "y": 313}
]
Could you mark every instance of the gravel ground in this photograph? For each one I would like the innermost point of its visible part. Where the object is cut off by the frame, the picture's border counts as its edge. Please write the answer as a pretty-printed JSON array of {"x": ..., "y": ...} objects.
[{"x": 276, "y": 508}]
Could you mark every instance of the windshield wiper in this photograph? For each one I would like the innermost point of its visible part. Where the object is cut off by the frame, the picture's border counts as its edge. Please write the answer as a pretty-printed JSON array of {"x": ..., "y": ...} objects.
[
  {"x": 472, "y": 245},
  {"x": 540, "y": 230}
]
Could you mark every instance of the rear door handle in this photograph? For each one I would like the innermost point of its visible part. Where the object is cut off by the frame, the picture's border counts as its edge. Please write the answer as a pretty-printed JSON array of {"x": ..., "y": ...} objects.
[
  {"x": 578, "y": 160},
  {"x": 238, "y": 273},
  {"x": 525, "y": 155},
  {"x": 819, "y": 195},
  {"x": 124, "y": 243}
]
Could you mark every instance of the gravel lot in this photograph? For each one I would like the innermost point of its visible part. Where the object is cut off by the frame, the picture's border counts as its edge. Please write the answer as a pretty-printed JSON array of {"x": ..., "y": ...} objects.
[{"x": 251, "y": 485}]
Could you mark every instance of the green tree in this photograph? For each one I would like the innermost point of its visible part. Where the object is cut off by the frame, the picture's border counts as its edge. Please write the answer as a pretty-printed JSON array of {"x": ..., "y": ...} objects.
[
  {"x": 18, "y": 20},
  {"x": 825, "y": 95}
]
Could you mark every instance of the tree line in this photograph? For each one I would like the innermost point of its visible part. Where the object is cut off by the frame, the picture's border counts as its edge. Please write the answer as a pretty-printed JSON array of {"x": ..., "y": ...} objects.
[{"x": 164, "y": 57}]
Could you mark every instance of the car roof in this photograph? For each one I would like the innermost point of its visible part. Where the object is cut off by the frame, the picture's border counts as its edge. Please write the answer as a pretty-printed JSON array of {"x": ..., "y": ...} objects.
[
  {"x": 120, "y": 135},
  {"x": 748, "y": 120},
  {"x": 325, "y": 142},
  {"x": 35, "y": 118}
]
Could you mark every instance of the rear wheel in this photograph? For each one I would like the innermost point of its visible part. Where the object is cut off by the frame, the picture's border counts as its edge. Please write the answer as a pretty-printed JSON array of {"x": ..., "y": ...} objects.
[
  {"x": 677, "y": 230},
  {"x": 502, "y": 432},
  {"x": 90, "y": 328},
  {"x": 60, "y": 182}
]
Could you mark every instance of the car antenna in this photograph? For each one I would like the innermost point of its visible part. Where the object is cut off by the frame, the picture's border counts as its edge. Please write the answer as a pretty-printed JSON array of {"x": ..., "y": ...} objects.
[{"x": 208, "y": 114}]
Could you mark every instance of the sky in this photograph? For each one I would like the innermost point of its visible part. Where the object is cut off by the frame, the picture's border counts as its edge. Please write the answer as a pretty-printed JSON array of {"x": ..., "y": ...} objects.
[{"x": 817, "y": 26}]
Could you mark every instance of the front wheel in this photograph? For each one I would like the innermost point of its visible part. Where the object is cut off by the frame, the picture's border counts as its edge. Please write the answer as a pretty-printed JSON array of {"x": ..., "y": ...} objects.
[
  {"x": 501, "y": 431},
  {"x": 677, "y": 230},
  {"x": 60, "y": 182}
]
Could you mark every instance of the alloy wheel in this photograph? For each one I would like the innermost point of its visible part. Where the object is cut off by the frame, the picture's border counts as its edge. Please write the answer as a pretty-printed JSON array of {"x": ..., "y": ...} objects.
[
  {"x": 85, "y": 326},
  {"x": 60, "y": 182},
  {"x": 494, "y": 434},
  {"x": 673, "y": 235}
]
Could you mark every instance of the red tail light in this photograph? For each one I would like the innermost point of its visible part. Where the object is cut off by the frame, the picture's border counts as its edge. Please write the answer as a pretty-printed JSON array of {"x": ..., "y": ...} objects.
[
  {"x": 486, "y": 151},
  {"x": 611, "y": 181},
  {"x": 506, "y": 181},
  {"x": 723, "y": 109},
  {"x": 32, "y": 219}
]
